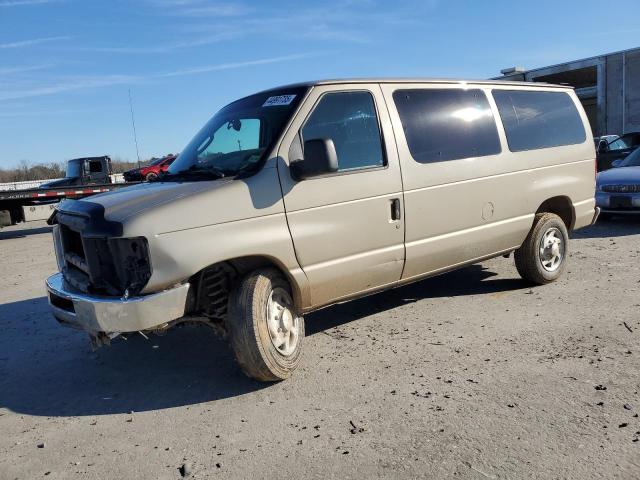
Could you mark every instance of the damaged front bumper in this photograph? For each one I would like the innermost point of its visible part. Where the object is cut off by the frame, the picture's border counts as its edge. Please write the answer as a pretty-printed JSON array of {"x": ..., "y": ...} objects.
[{"x": 99, "y": 315}]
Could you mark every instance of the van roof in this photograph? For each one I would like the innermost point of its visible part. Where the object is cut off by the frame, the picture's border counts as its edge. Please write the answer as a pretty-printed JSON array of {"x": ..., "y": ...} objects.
[{"x": 458, "y": 81}]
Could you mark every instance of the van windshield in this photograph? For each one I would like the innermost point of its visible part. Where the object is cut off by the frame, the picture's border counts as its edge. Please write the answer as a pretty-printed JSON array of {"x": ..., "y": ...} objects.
[{"x": 236, "y": 139}]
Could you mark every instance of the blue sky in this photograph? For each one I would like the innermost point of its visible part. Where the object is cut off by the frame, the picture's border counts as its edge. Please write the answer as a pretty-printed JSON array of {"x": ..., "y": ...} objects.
[{"x": 66, "y": 65}]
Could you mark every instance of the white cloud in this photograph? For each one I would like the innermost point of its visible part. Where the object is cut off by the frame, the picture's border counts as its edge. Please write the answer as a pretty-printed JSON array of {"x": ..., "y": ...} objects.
[
  {"x": 87, "y": 82},
  {"x": 19, "y": 3},
  {"x": 166, "y": 48},
  {"x": 31, "y": 42},
  {"x": 27, "y": 111},
  {"x": 30, "y": 68},
  {"x": 230, "y": 66},
  {"x": 200, "y": 8},
  {"x": 67, "y": 85},
  {"x": 341, "y": 21}
]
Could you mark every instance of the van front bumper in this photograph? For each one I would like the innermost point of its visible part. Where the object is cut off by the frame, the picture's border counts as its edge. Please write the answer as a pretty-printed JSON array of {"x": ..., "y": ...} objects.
[{"x": 97, "y": 314}]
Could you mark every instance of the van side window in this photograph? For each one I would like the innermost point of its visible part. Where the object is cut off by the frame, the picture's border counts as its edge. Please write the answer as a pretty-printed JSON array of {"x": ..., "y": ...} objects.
[
  {"x": 350, "y": 120},
  {"x": 535, "y": 119},
  {"x": 447, "y": 124}
]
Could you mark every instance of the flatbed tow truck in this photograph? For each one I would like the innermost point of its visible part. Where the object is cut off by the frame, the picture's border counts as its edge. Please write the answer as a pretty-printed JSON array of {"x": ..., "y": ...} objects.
[{"x": 84, "y": 177}]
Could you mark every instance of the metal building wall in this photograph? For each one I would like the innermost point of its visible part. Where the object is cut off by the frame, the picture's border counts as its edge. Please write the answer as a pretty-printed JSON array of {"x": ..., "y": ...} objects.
[
  {"x": 612, "y": 101},
  {"x": 631, "y": 102}
]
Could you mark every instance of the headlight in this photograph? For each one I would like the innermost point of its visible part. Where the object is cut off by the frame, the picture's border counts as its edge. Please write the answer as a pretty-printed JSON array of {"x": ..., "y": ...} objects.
[
  {"x": 121, "y": 266},
  {"x": 133, "y": 266}
]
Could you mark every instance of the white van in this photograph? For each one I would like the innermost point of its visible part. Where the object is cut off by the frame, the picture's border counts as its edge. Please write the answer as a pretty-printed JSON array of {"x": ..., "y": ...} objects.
[{"x": 302, "y": 196}]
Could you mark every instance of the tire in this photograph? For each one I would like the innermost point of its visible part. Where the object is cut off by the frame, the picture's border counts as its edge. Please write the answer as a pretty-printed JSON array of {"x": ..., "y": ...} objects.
[
  {"x": 251, "y": 326},
  {"x": 546, "y": 266},
  {"x": 150, "y": 177},
  {"x": 604, "y": 217}
]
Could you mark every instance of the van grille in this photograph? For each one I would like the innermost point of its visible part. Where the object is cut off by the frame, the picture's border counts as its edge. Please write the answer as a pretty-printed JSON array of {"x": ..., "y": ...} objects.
[
  {"x": 76, "y": 269},
  {"x": 106, "y": 266}
]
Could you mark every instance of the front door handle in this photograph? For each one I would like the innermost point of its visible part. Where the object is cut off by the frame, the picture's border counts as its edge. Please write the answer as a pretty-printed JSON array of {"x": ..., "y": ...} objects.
[{"x": 396, "y": 213}]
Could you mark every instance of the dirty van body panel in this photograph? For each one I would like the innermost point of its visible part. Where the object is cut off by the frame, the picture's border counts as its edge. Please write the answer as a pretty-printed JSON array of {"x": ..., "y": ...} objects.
[
  {"x": 191, "y": 225},
  {"x": 466, "y": 209},
  {"x": 345, "y": 238},
  {"x": 143, "y": 199},
  {"x": 562, "y": 171},
  {"x": 230, "y": 219}
]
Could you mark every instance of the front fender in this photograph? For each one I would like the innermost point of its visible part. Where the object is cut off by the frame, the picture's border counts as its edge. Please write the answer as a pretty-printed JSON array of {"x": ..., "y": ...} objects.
[{"x": 176, "y": 256}]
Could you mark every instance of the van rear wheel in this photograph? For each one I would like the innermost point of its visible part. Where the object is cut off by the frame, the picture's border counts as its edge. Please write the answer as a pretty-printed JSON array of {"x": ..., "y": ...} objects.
[
  {"x": 264, "y": 329},
  {"x": 542, "y": 257}
]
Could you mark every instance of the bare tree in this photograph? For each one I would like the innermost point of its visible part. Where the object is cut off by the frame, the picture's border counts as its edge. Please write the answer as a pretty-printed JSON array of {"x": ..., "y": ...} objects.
[{"x": 25, "y": 171}]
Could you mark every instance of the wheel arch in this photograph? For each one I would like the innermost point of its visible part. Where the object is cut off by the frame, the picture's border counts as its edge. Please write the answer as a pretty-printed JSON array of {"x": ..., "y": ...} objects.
[
  {"x": 562, "y": 206},
  {"x": 236, "y": 268},
  {"x": 251, "y": 263}
]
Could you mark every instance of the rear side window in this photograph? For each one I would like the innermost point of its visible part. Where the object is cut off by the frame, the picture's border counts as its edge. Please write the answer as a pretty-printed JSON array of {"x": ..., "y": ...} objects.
[
  {"x": 535, "y": 120},
  {"x": 447, "y": 124},
  {"x": 350, "y": 120}
]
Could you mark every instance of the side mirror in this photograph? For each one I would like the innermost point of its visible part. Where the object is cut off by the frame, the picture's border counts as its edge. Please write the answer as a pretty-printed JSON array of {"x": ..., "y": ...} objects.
[
  {"x": 603, "y": 146},
  {"x": 320, "y": 158},
  {"x": 616, "y": 163}
]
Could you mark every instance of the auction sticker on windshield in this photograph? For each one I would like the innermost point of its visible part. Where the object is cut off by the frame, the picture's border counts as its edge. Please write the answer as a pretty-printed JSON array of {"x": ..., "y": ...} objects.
[{"x": 278, "y": 100}]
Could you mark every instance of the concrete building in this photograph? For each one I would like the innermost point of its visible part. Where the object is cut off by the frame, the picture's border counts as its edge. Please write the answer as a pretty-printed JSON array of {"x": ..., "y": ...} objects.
[{"x": 608, "y": 86}]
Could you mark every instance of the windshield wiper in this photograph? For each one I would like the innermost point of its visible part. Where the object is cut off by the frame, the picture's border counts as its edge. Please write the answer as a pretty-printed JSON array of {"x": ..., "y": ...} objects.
[
  {"x": 194, "y": 171},
  {"x": 208, "y": 171}
]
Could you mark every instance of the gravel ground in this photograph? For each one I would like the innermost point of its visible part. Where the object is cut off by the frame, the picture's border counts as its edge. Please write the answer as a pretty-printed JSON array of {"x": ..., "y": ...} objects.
[{"x": 472, "y": 374}]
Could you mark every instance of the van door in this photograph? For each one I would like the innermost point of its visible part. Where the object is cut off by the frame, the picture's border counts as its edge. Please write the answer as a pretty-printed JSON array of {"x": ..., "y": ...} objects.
[{"x": 347, "y": 227}]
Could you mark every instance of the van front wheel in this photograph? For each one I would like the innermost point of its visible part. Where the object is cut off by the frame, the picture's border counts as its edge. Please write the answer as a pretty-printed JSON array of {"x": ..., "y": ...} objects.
[
  {"x": 542, "y": 257},
  {"x": 264, "y": 329}
]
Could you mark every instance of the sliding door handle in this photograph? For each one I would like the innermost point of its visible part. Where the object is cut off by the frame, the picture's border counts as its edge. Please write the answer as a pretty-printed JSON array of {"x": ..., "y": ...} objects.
[{"x": 396, "y": 213}]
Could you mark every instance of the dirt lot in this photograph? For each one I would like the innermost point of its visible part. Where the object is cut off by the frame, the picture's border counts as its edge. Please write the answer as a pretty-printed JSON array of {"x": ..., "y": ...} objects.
[{"x": 469, "y": 375}]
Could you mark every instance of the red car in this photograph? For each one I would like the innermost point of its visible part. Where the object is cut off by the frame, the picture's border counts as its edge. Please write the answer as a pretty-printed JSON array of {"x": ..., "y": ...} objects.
[{"x": 151, "y": 171}]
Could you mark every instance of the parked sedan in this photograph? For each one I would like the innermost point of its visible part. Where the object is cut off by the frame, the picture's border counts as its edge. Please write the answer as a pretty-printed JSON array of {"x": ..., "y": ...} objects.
[
  {"x": 607, "y": 139},
  {"x": 611, "y": 150},
  {"x": 618, "y": 189},
  {"x": 151, "y": 171}
]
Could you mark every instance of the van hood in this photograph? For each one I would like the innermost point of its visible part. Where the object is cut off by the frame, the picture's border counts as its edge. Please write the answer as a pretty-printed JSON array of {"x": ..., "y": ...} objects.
[
  {"x": 157, "y": 208},
  {"x": 126, "y": 203}
]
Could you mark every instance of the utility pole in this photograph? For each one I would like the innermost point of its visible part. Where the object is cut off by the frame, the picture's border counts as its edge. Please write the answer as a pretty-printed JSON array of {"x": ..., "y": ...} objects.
[{"x": 133, "y": 124}]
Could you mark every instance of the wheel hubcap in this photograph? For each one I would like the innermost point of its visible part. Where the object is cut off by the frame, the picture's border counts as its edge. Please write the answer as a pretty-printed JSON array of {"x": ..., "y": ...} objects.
[
  {"x": 551, "y": 249},
  {"x": 282, "y": 322}
]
